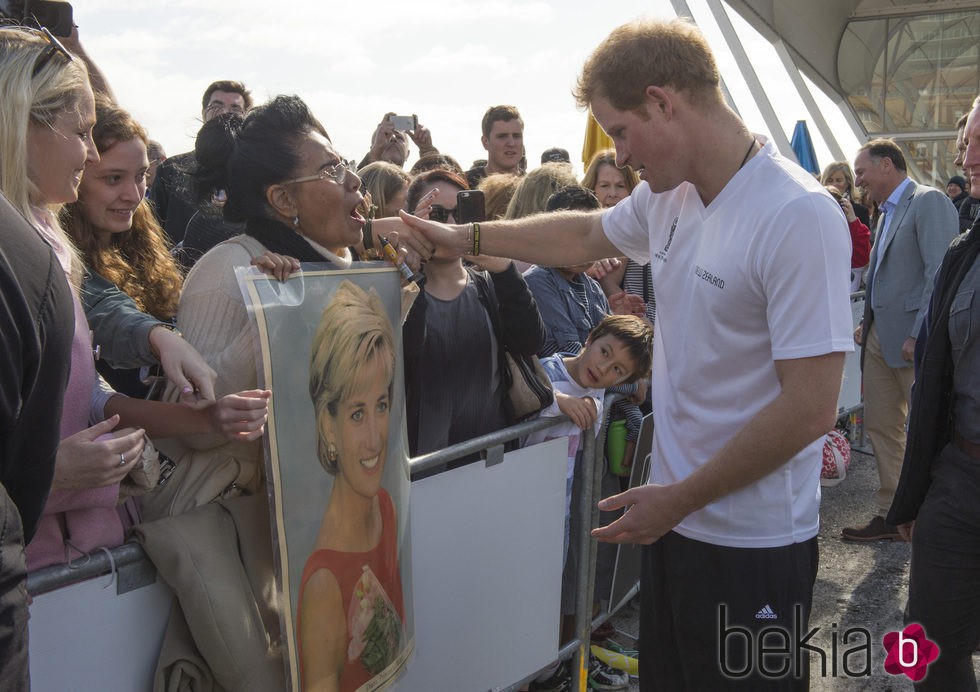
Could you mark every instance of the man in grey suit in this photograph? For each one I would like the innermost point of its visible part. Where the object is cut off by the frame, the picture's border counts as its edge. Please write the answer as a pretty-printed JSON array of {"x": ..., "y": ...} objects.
[{"x": 916, "y": 225}]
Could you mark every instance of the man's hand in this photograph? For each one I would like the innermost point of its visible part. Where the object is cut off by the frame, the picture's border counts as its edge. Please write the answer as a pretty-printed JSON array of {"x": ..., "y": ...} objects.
[
  {"x": 449, "y": 241},
  {"x": 859, "y": 333},
  {"x": 382, "y": 135},
  {"x": 906, "y": 530},
  {"x": 908, "y": 349},
  {"x": 653, "y": 510},
  {"x": 422, "y": 138}
]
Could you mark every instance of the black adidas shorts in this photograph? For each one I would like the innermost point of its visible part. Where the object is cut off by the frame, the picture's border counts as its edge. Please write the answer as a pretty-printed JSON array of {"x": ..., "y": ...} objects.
[{"x": 709, "y": 611}]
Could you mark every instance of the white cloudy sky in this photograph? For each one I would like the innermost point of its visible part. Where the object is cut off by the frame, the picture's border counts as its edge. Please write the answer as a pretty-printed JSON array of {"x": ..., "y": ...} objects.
[{"x": 354, "y": 61}]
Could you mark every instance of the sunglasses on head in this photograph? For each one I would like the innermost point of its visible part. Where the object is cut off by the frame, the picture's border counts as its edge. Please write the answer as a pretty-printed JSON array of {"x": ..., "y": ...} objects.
[{"x": 53, "y": 48}]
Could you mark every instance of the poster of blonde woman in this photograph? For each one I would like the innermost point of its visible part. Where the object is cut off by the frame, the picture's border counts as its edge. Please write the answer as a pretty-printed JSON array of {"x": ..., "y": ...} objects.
[{"x": 338, "y": 473}]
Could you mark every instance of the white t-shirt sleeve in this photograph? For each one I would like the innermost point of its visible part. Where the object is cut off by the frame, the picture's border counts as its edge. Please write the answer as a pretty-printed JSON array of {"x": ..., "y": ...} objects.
[
  {"x": 625, "y": 225},
  {"x": 805, "y": 273}
]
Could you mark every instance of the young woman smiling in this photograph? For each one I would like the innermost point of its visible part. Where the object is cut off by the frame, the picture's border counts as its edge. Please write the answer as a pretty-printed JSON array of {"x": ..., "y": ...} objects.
[{"x": 116, "y": 232}]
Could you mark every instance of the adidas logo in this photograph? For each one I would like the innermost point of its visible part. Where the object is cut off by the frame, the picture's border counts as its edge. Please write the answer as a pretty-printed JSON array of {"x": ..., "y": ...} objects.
[{"x": 766, "y": 613}]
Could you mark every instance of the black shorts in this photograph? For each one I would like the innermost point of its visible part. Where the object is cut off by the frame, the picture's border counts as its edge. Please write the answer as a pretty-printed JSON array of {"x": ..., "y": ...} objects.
[{"x": 708, "y": 610}]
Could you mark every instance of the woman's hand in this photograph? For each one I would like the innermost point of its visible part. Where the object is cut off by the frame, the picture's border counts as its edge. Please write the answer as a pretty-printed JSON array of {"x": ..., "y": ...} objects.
[
  {"x": 624, "y": 303},
  {"x": 184, "y": 367},
  {"x": 581, "y": 411},
  {"x": 602, "y": 268},
  {"x": 96, "y": 457},
  {"x": 848, "y": 208},
  {"x": 241, "y": 416},
  {"x": 424, "y": 205},
  {"x": 276, "y": 265}
]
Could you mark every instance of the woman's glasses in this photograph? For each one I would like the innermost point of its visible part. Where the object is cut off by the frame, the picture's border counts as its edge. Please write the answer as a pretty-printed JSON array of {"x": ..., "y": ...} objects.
[
  {"x": 336, "y": 172},
  {"x": 53, "y": 48}
]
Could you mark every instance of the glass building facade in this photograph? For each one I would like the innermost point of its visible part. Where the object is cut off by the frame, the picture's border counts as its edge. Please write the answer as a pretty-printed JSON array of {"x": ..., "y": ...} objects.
[{"x": 911, "y": 78}]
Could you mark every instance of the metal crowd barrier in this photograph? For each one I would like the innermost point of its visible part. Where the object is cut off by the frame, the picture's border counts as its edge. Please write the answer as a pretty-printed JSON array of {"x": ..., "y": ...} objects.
[{"x": 133, "y": 568}]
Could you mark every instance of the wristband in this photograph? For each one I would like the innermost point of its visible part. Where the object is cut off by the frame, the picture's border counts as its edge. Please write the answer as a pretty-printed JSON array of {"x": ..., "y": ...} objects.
[
  {"x": 476, "y": 240},
  {"x": 366, "y": 233}
]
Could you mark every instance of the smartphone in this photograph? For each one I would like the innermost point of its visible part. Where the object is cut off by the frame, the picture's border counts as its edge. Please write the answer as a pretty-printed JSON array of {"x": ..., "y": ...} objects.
[
  {"x": 406, "y": 123},
  {"x": 54, "y": 15},
  {"x": 470, "y": 206}
]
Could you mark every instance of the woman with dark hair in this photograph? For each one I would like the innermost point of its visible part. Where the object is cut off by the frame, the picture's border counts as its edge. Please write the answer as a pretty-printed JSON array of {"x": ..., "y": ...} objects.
[
  {"x": 297, "y": 197},
  {"x": 456, "y": 333}
]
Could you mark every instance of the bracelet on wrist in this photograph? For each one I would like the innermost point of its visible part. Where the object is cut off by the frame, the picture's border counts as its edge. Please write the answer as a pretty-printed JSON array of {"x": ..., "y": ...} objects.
[
  {"x": 476, "y": 239},
  {"x": 367, "y": 235}
]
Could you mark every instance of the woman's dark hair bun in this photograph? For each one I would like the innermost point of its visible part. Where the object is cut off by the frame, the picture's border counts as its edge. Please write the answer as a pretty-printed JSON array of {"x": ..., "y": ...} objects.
[{"x": 213, "y": 149}]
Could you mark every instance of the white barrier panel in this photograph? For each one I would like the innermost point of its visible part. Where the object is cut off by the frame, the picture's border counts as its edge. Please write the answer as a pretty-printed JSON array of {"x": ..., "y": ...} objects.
[
  {"x": 850, "y": 392},
  {"x": 486, "y": 557},
  {"x": 85, "y": 637},
  {"x": 487, "y": 543}
]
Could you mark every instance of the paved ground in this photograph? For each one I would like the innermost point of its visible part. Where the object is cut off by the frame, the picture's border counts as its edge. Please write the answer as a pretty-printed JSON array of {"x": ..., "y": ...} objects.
[{"x": 858, "y": 585}]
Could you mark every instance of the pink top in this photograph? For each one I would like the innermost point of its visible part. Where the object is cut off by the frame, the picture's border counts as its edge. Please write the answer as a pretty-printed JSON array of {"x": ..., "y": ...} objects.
[{"x": 75, "y": 520}]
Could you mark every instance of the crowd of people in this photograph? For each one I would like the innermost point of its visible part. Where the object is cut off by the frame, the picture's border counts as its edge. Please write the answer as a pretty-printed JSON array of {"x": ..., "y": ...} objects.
[{"x": 113, "y": 282}]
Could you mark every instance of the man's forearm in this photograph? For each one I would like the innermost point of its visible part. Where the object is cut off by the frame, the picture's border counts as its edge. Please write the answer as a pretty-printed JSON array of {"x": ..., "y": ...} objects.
[{"x": 558, "y": 239}]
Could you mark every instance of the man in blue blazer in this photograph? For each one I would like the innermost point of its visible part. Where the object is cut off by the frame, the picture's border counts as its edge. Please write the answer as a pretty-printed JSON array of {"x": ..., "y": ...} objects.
[{"x": 916, "y": 225}]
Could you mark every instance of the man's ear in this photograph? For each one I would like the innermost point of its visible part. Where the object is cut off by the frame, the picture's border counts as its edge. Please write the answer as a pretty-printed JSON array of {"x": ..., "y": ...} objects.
[
  {"x": 281, "y": 201},
  {"x": 486, "y": 143},
  {"x": 660, "y": 101}
]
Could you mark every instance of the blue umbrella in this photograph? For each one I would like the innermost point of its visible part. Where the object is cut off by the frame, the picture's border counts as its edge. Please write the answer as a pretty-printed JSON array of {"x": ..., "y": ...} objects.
[{"x": 803, "y": 148}]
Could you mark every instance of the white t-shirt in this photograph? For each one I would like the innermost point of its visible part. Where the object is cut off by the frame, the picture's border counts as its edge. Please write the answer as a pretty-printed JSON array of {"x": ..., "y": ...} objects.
[
  {"x": 761, "y": 274},
  {"x": 561, "y": 381}
]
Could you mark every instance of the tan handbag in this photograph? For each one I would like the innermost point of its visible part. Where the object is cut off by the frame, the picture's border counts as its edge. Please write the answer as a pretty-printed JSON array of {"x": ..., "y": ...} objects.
[{"x": 530, "y": 388}]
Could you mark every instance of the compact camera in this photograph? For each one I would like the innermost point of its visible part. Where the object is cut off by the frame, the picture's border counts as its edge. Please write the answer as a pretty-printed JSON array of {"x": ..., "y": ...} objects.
[{"x": 55, "y": 15}]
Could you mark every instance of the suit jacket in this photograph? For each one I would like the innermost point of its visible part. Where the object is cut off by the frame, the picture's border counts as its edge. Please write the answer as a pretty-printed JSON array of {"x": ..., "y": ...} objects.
[{"x": 923, "y": 224}]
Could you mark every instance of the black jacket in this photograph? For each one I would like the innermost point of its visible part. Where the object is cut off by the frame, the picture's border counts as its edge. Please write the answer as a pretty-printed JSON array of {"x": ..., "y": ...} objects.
[
  {"x": 931, "y": 415},
  {"x": 37, "y": 325},
  {"x": 513, "y": 316}
]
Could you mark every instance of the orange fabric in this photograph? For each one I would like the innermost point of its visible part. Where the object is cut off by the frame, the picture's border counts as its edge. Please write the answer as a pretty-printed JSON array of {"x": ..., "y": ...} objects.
[{"x": 347, "y": 569}]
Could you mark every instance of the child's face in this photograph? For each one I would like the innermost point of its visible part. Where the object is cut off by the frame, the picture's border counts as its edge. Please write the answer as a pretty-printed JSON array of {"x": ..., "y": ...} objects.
[{"x": 605, "y": 363}]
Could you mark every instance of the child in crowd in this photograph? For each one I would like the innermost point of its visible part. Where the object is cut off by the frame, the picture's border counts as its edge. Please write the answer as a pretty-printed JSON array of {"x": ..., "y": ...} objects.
[{"x": 618, "y": 351}]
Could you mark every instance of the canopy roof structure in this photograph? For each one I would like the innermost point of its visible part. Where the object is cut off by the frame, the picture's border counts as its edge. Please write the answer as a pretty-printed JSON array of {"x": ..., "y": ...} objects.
[{"x": 899, "y": 68}]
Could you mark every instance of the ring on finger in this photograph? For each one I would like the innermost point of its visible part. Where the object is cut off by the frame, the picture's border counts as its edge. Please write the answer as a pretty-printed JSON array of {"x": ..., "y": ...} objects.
[{"x": 122, "y": 459}]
